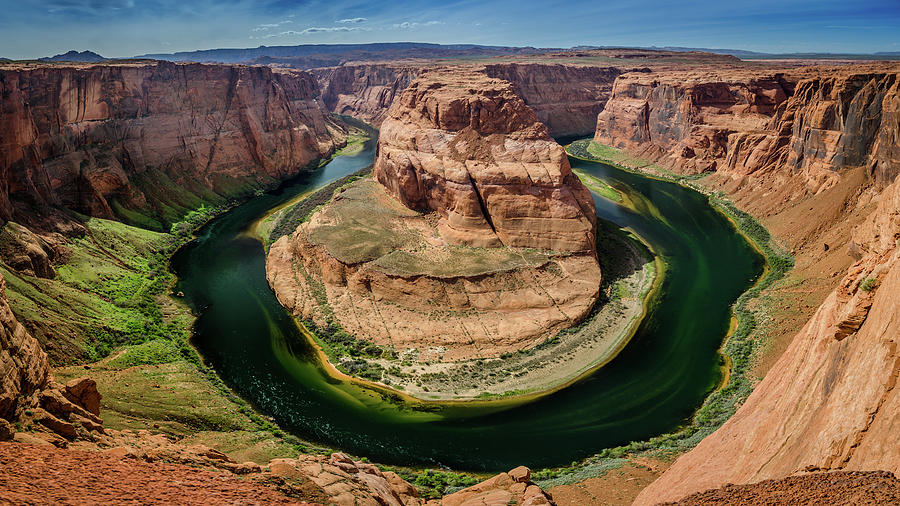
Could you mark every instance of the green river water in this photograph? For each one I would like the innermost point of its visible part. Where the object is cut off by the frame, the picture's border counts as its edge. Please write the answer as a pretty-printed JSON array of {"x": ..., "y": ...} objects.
[{"x": 653, "y": 386}]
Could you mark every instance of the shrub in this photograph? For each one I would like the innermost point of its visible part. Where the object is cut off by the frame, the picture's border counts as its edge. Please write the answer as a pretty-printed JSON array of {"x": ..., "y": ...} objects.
[{"x": 869, "y": 284}]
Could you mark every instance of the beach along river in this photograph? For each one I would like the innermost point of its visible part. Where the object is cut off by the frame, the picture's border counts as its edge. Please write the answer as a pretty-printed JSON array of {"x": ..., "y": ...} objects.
[{"x": 651, "y": 387}]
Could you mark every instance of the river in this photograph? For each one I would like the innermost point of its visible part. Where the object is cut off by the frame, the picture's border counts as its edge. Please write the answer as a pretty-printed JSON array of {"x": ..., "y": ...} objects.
[{"x": 652, "y": 387}]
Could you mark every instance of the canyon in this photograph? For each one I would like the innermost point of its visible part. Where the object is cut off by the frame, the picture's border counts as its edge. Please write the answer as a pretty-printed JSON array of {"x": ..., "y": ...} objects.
[
  {"x": 812, "y": 152},
  {"x": 480, "y": 239}
]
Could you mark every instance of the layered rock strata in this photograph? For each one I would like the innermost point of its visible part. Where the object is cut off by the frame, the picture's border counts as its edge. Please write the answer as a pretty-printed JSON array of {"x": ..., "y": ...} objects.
[
  {"x": 566, "y": 98},
  {"x": 468, "y": 148},
  {"x": 155, "y": 139},
  {"x": 809, "y": 122},
  {"x": 363, "y": 91},
  {"x": 478, "y": 240},
  {"x": 830, "y": 402}
]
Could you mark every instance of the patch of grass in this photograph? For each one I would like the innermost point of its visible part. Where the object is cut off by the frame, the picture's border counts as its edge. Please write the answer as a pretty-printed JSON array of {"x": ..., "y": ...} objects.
[{"x": 157, "y": 351}]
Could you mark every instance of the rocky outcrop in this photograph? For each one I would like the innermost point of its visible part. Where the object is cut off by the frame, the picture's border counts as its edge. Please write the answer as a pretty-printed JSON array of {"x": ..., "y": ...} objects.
[
  {"x": 831, "y": 402},
  {"x": 478, "y": 240},
  {"x": 811, "y": 122},
  {"x": 468, "y": 148},
  {"x": 684, "y": 119},
  {"x": 24, "y": 369},
  {"x": 514, "y": 487},
  {"x": 363, "y": 91},
  {"x": 123, "y": 465},
  {"x": 147, "y": 142},
  {"x": 566, "y": 98}
]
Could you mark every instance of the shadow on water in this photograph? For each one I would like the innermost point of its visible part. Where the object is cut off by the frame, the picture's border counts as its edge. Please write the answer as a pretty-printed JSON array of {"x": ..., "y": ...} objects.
[{"x": 653, "y": 386}]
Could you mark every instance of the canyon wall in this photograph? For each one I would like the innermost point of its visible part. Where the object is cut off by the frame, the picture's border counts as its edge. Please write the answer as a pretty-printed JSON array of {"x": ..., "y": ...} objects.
[
  {"x": 566, "y": 98},
  {"x": 148, "y": 142},
  {"x": 363, "y": 91},
  {"x": 809, "y": 122},
  {"x": 831, "y": 401}
]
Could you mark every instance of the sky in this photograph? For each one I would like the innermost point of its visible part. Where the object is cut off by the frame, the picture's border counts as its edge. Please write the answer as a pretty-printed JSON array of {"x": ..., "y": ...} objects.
[{"x": 124, "y": 28}]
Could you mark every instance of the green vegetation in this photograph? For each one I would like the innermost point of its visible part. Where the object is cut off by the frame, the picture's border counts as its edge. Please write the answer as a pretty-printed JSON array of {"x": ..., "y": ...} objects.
[
  {"x": 433, "y": 484},
  {"x": 598, "y": 186},
  {"x": 869, "y": 284},
  {"x": 589, "y": 150},
  {"x": 287, "y": 220}
]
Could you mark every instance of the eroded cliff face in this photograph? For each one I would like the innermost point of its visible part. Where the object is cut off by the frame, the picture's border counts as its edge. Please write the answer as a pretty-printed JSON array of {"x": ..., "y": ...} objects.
[
  {"x": 363, "y": 91},
  {"x": 468, "y": 148},
  {"x": 475, "y": 240},
  {"x": 566, "y": 98},
  {"x": 24, "y": 368},
  {"x": 831, "y": 401},
  {"x": 155, "y": 139},
  {"x": 746, "y": 124}
]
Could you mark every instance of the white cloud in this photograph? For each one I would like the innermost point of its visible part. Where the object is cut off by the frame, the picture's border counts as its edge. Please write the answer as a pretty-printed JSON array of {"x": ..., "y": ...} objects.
[
  {"x": 316, "y": 29},
  {"x": 268, "y": 26},
  {"x": 352, "y": 20},
  {"x": 406, "y": 25}
]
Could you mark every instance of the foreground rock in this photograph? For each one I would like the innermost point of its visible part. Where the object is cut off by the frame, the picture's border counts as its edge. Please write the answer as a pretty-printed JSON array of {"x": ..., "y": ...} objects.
[
  {"x": 156, "y": 469},
  {"x": 514, "y": 487},
  {"x": 478, "y": 240},
  {"x": 840, "y": 488}
]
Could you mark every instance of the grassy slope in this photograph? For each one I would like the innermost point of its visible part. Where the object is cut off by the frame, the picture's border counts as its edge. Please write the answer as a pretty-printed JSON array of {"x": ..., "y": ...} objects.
[{"x": 108, "y": 305}]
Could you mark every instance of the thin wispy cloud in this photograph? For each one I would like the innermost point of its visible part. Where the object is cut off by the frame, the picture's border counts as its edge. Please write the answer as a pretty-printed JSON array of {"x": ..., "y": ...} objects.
[
  {"x": 406, "y": 25},
  {"x": 269, "y": 26},
  {"x": 315, "y": 29},
  {"x": 352, "y": 20}
]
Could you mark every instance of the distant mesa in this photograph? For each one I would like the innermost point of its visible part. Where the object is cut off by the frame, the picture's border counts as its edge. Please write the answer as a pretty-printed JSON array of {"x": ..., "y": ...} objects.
[{"x": 83, "y": 56}]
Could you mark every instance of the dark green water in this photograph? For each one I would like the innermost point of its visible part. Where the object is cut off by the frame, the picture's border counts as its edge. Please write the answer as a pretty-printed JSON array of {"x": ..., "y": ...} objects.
[{"x": 653, "y": 386}]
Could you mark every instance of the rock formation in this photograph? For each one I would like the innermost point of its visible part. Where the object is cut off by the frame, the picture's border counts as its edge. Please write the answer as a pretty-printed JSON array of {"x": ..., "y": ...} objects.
[
  {"x": 466, "y": 147},
  {"x": 811, "y": 121},
  {"x": 363, "y": 91},
  {"x": 566, "y": 98},
  {"x": 441, "y": 256},
  {"x": 24, "y": 369},
  {"x": 29, "y": 394},
  {"x": 830, "y": 402},
  {"x": 155, "y": 139}
]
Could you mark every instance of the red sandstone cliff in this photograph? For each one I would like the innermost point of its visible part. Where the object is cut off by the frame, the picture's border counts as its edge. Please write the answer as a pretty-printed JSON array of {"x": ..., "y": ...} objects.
[
  {"x": 566, "y": 98},
  {"x": 152, "y": 137},
  {"x": 745, "y": 124},
  {"x": 363, "y": 91},
  {"x": 831, "y": 401},
  {"x": 467, "y": 147}
]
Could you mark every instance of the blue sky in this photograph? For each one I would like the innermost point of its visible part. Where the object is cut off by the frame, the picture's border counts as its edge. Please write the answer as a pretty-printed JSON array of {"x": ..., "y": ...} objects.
[{"x": 118, "y": 28}]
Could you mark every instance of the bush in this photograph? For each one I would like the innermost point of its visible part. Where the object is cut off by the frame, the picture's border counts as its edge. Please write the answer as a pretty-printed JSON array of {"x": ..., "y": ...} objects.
[{"x": 869, "y": 284}]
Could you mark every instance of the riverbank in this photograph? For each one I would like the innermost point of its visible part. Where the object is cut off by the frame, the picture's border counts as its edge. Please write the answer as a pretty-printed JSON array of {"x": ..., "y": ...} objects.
[
  {"x": 740, "y": 348},
  {"x": 631, "y": 275}
]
